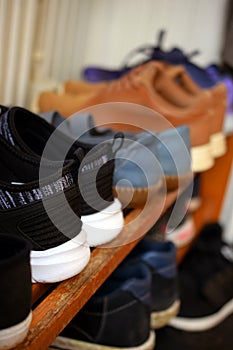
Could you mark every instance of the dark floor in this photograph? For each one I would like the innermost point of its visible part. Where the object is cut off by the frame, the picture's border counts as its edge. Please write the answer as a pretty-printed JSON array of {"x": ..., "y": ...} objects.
[{"x": 218, "y": 338}]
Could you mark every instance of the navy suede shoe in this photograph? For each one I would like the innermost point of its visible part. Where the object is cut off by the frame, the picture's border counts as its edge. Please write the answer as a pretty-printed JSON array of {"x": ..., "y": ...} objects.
[
  {"x": 160, "y": 258},
  {"x": 117, "y": 317}
]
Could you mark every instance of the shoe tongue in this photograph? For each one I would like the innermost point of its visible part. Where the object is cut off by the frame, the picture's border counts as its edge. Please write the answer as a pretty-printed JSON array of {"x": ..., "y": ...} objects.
[{"x": 5, "y": 128}]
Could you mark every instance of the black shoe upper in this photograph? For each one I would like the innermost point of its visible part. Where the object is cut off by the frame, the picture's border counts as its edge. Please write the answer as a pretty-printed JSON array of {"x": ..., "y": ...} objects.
[
  {"x": 118, "y": 314},
  {"x": 206, "y": 275},
  {"x": 28, "y": 207},
  {"x": 15, "y": 276},
  {"x": 30, "y": 133},
  {"x": 160, "y": 258}
]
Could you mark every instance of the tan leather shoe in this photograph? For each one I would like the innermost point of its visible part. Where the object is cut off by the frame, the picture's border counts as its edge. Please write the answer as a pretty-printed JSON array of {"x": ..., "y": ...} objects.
[
  {"x": 177, "y": 86},
  {"x": 80, "y": 87},
  {"x": 138, "y": 86},
  {"x": 181, "y": 89}
]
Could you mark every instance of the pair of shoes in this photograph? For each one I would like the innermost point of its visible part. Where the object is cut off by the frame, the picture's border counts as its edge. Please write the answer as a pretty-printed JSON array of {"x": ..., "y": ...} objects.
[
  {"x": 205, "y": 280},
  {"x": 145, "y": 158},
  {"x": 15, "y": 290},
  {"x": 140, "y": 295},
  {"x": 180, "y": 89},
  {"x": 177, "y": 87},
  {"x": 61, "y": 202},
  {"x": 142, "y": 85},
  {"x": 206, "y": 78}
]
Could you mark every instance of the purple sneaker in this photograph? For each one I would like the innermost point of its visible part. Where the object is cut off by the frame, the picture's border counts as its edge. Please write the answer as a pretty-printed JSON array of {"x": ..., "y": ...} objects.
[
  {"x": 215, "y": 74},
  {"x": 150, "y": 52}
]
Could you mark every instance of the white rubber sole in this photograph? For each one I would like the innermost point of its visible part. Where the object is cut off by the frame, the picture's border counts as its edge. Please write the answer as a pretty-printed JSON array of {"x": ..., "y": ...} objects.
[
  {"x": 201, "y": 324},
  {"x": 63, "y": 343},
  {"x": 228, "y": 124},
  {"x": 12, "y": 336},
  {"x": 202, "y": 158},
  {"x": 218, "y": 144},
  {"x": 162, "y": 318},
  {"x": 62, "y": 262},
  {"x": 183, "y": 234},
  {"x": 104, "y": 226}
]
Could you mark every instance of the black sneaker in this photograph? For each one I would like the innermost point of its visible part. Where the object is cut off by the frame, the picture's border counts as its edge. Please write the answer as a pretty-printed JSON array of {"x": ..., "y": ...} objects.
[
  {"x": 116, "y": 317},
  {"x": 38, "y": 211},
  {"x": 15, "y": 290},
  {"x": 206, "y": 280},
  {"x": 100, "y": 212}
]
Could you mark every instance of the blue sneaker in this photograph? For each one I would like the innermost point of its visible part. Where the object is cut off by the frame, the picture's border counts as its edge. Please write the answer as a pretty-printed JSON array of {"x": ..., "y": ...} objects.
[
  {"x": 117, "y": 317},
  {"x": 160, "y": 257}
]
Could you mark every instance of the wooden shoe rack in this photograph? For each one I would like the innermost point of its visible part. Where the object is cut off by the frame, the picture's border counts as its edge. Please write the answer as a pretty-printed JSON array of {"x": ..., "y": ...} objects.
[{"x": 54, "y": 305}]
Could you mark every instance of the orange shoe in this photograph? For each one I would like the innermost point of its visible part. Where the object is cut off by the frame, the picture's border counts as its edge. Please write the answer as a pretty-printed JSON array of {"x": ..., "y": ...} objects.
[
  {"x": 138, "y": 86},
  {"x": 180, "y": 89},
  {"x": 80, "y": 87},
  {"x": 177, "y": 86}
]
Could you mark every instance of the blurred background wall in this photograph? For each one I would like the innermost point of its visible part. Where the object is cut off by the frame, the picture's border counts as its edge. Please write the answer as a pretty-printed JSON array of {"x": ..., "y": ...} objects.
[{"x": 46, "y": 41}]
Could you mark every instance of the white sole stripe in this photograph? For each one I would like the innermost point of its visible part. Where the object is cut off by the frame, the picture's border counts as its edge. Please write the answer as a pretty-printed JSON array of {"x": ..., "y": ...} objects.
[{"x": 203, "y": 323}]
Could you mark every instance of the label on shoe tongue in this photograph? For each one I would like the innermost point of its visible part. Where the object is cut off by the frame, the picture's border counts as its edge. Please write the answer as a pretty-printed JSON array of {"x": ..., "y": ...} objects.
[{"x": 5, "y": 129}]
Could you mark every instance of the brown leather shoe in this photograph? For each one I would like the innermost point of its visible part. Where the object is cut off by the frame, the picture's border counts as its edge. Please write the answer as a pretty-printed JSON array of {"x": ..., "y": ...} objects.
[
  {"x": 181, "y": 89},
  {"x": 138, "y": 86},
  {"x": 176, "y": 86},
  {"x": 80, "y": 87}
]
